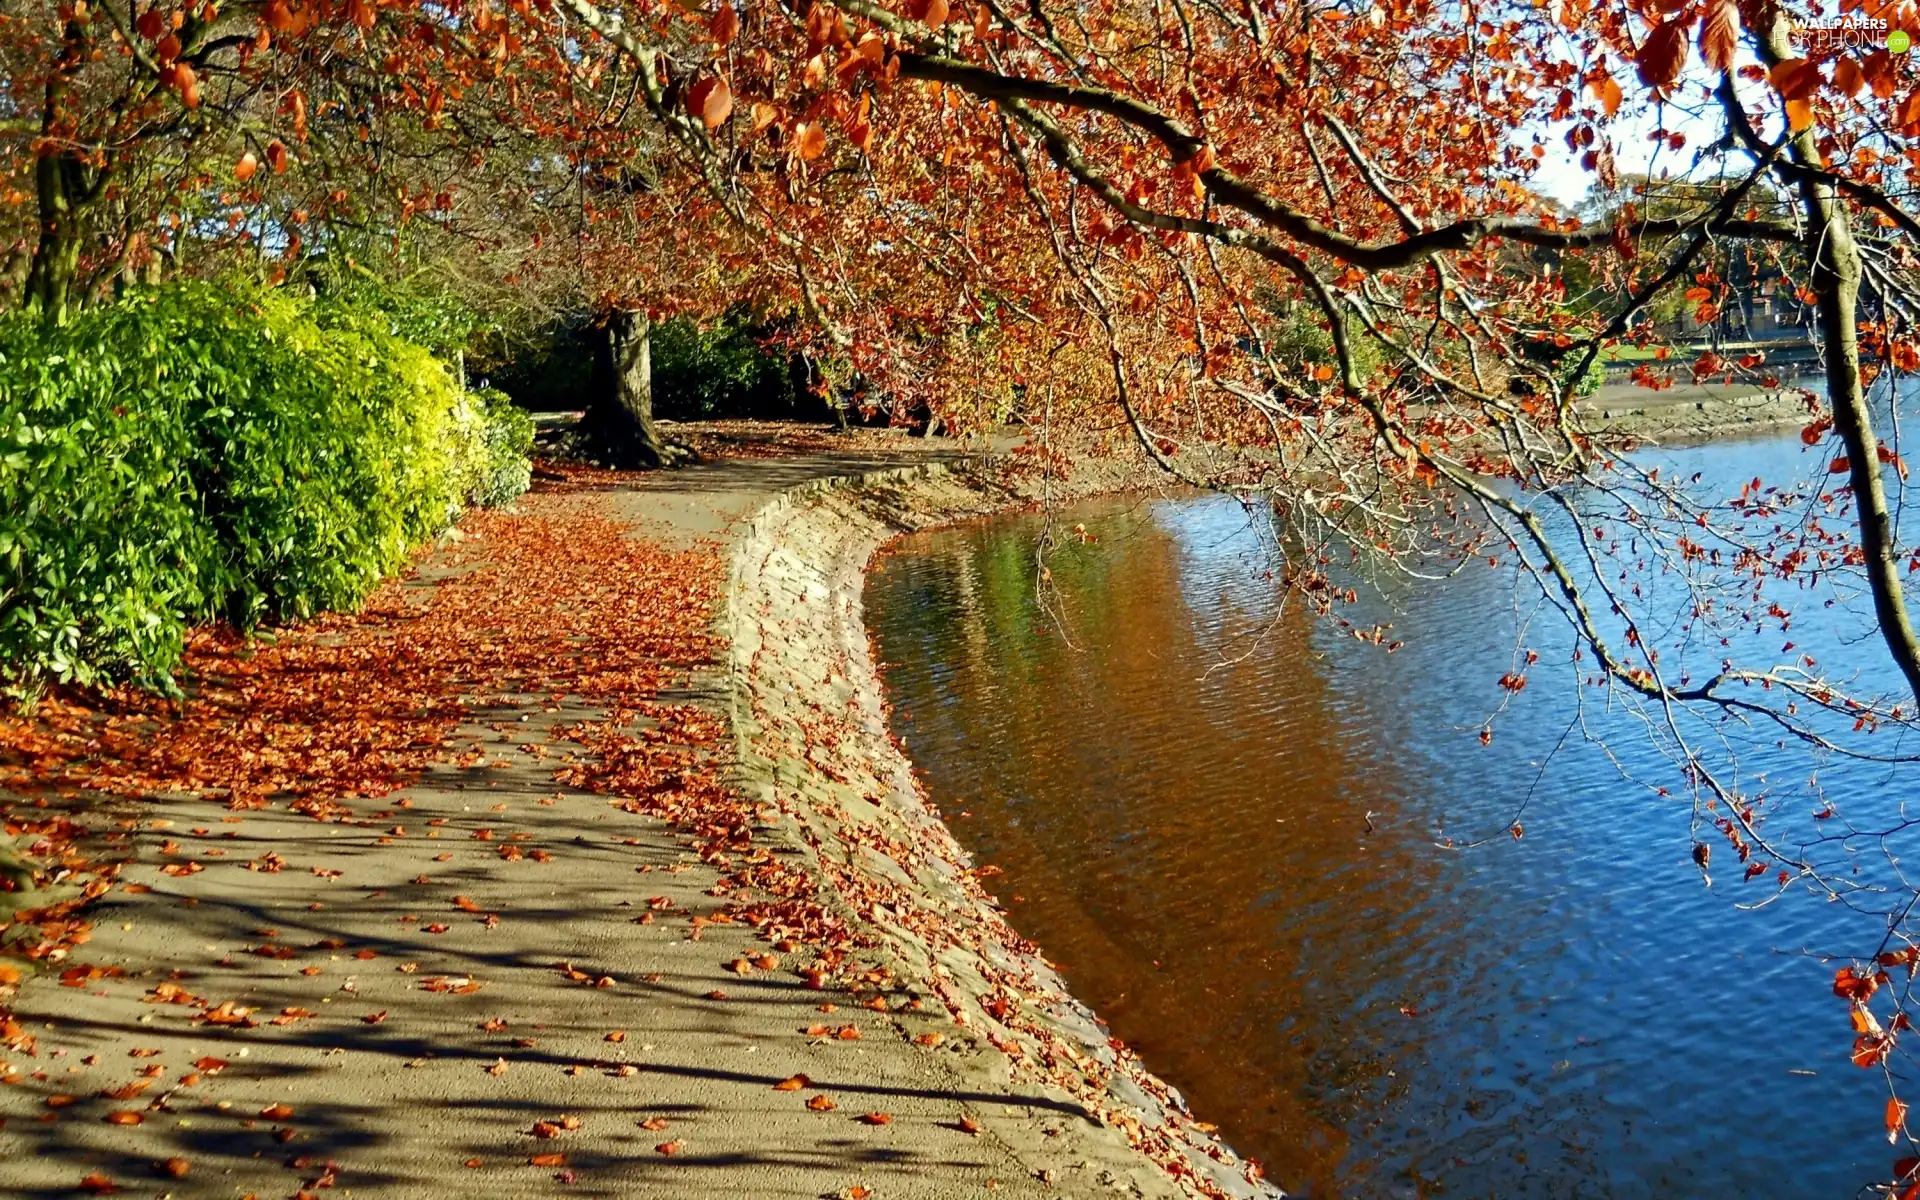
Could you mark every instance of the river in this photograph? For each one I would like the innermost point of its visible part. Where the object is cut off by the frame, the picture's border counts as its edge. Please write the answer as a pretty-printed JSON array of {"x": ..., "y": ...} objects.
[{"x": 1220, "y": 816}]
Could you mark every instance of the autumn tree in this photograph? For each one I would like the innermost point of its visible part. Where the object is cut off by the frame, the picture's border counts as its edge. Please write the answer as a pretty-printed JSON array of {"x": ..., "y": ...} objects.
[
  {"x": 1076, "y": 213},
  {"x": 141, "y": 135}
]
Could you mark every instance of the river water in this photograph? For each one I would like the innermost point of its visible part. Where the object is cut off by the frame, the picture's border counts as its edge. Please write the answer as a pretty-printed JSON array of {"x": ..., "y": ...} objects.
[{"x": 1219, "y": 816}]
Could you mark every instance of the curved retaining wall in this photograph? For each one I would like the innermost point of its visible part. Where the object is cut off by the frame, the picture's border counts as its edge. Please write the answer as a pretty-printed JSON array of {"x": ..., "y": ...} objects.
[{"x": 812, "y": 738}]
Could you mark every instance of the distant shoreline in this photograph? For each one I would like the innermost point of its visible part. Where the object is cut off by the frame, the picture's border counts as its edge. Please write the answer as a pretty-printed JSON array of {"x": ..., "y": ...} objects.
[{"x": 1693, "y": 412}]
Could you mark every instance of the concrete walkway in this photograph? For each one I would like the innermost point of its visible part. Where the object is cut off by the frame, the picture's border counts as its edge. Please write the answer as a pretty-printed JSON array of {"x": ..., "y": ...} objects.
[{"x": 516, "y": 977}]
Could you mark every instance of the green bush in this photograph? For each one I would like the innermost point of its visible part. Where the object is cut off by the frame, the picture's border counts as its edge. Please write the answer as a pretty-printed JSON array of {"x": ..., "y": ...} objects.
[
  {"x": 502, "y": 467},
  {"x": 193, "y": 453}
]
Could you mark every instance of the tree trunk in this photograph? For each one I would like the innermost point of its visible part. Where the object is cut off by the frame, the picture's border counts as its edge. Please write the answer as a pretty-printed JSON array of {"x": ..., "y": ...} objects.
[
  {"x": 61, "y": 180},
  {"x": 619, "y": 420},
  {"x": 1835, "y": 281}
]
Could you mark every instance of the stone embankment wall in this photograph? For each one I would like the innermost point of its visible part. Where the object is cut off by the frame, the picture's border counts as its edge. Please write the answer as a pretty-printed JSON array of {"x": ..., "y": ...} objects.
[{"x": 813, "y": 742}]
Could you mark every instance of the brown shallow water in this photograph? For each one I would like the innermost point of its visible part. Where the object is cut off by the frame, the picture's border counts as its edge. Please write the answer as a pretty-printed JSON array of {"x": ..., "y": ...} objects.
[{"x": 1219, "y": 818}]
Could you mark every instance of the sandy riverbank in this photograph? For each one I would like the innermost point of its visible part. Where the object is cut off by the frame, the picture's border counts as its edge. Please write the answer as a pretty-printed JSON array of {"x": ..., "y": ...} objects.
[{"x": 1693, "y": 412}]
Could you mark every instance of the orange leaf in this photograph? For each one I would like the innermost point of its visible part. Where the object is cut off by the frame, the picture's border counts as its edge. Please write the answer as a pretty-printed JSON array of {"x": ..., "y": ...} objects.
[
  {"x": 811, "y": 140},
  {"x": 822, "y": 1104},
  {"x": 1794, "y": 78},
  {"x": 244, "y": 169},
  {"x": 792, "y": 1083},
  {"x": 1848, "y": 78},
  {"x": 725, "y": 24},
  {"x": 711, "y": 100},
  {"x": 547, "y": 1160},
  {"x": 1896, "y": 1117},
  {"x": 1718, "y": 37},
  {"x": 1608, "y": 93},
  {"x": 875, "y": 1118},
  {"x": 1663, "y": 55}
]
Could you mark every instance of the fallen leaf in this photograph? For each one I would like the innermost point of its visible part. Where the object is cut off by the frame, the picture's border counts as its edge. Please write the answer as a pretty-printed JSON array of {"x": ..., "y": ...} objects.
[{"x": 792, "y": 1083}]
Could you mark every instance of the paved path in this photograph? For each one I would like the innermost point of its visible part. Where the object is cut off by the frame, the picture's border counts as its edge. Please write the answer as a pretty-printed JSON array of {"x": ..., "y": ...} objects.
[{"x": 503, "y": 980}]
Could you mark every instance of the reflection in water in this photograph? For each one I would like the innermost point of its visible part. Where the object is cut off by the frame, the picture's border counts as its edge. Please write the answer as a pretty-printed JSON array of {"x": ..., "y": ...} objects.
[{"x": 1219, "y": 819}]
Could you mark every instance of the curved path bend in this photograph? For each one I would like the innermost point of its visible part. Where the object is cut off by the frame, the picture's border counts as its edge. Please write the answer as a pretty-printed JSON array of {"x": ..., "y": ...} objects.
[{"x": 656, "y": 913}]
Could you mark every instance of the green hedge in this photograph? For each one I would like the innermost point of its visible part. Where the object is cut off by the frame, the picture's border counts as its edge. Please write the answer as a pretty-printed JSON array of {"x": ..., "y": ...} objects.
[{"x": 194, "y": 453}]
